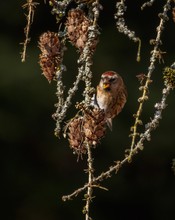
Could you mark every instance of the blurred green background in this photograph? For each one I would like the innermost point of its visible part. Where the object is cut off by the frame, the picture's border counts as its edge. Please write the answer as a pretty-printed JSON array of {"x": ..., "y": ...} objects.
[{"x": 38, "y": 168}]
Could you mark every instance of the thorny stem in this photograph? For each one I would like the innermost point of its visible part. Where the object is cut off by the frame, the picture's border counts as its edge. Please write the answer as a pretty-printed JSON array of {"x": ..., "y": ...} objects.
[
  {"x": 30, "y": 6},
  {"x": 90, "y": 178},
  {"x": 163, "y": 18},
  {"x": 139, "y": 146}
]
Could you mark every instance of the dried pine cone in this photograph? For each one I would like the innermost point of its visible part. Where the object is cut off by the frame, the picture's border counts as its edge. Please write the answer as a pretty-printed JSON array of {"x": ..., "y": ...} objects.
[
  {"x": 94, "y": 126},
  {"x": 77, "y": 28},
  {"x": 86, "y": 129},
  {"x": 76, "y": 135},
  {"x": 51, "y": 54}
]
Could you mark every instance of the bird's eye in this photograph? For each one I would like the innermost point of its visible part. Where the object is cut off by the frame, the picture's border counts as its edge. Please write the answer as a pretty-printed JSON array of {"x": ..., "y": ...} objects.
[{"x": 112, "y": 80}]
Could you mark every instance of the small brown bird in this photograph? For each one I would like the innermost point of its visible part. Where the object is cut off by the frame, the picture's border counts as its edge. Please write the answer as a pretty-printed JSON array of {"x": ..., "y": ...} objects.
[{"x": 111, "y": 95}]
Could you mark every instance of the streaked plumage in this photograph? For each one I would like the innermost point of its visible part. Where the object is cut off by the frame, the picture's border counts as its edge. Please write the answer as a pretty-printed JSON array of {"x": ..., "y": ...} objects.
[{"x": 111, "y": 95}]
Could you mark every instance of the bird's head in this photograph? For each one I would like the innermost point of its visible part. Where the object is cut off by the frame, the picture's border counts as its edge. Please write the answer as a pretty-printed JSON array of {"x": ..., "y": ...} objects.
[{"x": 110, "y": 80}]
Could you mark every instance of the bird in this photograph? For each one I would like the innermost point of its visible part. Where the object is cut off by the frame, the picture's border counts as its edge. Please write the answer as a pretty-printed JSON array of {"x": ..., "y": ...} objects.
[{"x": 111, "y": 95}]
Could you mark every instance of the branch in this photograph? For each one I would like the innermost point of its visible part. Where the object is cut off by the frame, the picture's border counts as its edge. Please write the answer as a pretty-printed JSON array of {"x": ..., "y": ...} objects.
[
  {"x": 169, "y": 77},
  {"x": 88, "y": 196},
  {"x": 30, "y": 5},
  {"x": 84, "y": 70},
  {"x": 122, "y": 28},
  {"x": 144, "y": 96},
  {"x": 149, "y": 4}
]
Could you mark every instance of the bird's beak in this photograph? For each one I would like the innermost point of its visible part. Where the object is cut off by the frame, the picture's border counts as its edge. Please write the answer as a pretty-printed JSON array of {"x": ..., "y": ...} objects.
[{"x": 106, "y": 85}]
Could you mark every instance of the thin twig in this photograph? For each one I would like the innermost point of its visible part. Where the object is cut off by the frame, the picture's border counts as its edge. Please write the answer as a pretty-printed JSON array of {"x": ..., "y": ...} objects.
[
  {"x": 60, "y": 95},
  {"x": 30, "y": 5},
  {"x": 144, "y": 96},
  {"x": 59, "y": 8},
  {"x": 86, "y": 63},
  {"x": 155, "y": 122},
  {"x": 88, "y": 196},
  {"x": 122, "y": 27},
  {"x": 61, "y": 115},
  {"x": 149, "y": 4},
  {"x": 84, "y": 70},
  {"x": 139, "y": 146}
]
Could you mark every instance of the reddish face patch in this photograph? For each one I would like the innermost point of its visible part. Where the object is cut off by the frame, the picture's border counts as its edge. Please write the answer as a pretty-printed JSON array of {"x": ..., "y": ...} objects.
[{"x": 109, "y": 73}]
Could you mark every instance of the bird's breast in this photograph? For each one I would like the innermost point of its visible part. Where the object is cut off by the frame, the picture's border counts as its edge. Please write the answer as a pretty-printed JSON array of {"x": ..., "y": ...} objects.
[{"x": 104, "y": 99}]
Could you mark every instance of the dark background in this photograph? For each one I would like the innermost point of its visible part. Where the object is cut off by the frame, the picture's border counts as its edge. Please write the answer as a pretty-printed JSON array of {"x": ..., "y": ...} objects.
[{"x": 38, "y": 168}]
